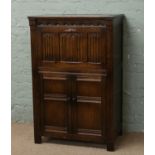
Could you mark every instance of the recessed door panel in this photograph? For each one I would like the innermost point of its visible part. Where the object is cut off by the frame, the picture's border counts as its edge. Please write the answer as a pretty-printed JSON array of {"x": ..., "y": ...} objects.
[
  {"x": 89, "y": 115},
  {"x": 55, "y": 113},
  {"x": 89, "y": 87},
  {"x": 55, "y": 86}
]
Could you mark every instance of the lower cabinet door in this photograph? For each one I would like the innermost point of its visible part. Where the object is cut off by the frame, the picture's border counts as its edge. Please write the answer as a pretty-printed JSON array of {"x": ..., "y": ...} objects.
[
  {"x": 89, "y": 116},
  {"x": 90, "y": 105},
  {"x": 72, "y": 107},
  {"x": 55, "y": 104}
]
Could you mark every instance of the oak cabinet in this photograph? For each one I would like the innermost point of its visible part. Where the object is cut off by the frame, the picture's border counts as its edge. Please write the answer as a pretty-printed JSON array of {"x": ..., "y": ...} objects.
[{"x": 77, "y": 77}]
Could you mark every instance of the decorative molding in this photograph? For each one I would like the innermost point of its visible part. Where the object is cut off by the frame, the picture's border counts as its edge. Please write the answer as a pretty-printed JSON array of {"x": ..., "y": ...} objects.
[{"x": 42, "y": 23}]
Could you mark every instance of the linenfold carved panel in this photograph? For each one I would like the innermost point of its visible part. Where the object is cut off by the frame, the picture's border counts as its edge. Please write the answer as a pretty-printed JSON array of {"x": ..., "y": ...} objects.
[
  {"x": 95, "y": 47},
  {"x": 50, "y": 46},
  {"x": 73, "y": 46}
]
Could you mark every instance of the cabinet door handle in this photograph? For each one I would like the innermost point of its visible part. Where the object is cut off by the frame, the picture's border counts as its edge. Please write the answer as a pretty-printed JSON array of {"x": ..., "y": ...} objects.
[{"x": 74, "y": 99}]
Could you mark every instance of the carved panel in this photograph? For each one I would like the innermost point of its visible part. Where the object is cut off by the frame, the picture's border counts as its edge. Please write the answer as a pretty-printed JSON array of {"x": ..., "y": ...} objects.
[
  {"x": 54, "y": 22},
  {"x": 50, "y": 46},
  {"x": 96, "y": 48},
  {"x": 73, "y": 47}
]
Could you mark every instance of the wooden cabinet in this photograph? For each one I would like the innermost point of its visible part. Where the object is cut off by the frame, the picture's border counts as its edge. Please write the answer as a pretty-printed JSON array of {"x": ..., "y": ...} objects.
[{"x": 77, "y": 77}]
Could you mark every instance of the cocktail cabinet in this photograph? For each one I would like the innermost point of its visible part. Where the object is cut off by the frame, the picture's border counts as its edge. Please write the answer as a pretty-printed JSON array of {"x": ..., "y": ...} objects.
[{"x": 77, "y": 77}]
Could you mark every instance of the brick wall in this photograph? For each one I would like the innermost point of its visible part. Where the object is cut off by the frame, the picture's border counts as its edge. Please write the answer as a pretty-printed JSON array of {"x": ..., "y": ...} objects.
[{"x": 133, "y": 111}]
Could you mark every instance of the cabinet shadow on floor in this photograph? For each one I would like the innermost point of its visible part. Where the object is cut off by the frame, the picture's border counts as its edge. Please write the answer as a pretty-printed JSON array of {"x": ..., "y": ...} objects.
[{"x": 126, "y": 141}]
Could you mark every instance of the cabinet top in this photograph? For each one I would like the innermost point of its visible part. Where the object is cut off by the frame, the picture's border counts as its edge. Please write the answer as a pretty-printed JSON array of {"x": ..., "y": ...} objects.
[{"x": 83, "y": 16}]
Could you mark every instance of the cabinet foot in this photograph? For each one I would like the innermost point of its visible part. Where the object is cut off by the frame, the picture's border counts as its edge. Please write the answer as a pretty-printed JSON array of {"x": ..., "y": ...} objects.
[
  {"x": 37, "y": 140},
  {"x": 120, "y": 133},
  {"x": 110, "y": 147}
]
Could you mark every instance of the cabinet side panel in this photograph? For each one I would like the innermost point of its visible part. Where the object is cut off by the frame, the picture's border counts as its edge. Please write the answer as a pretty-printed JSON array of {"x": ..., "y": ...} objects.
[
  {"x": 109, "y": 88},
  {"x": 117, "y": 74},
  {"x": 114, "y": 80},
  {"x": 36, "y": 57}
]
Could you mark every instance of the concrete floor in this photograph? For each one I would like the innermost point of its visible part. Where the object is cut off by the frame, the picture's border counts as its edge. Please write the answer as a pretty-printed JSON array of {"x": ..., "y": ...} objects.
[{"x": 23, "y": 144}]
